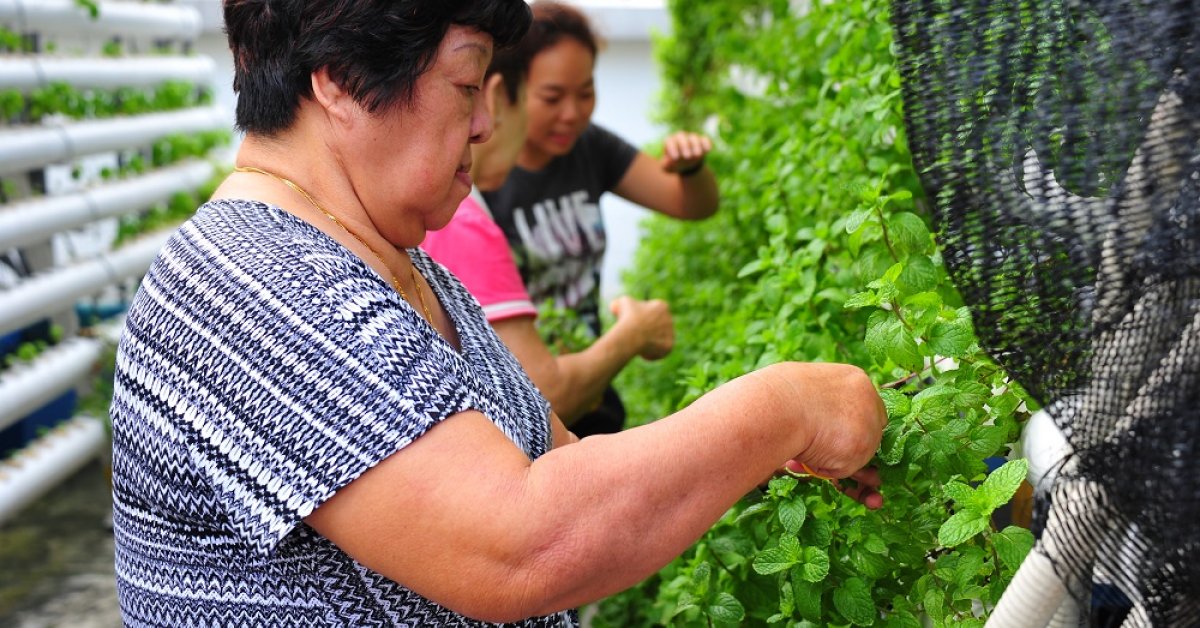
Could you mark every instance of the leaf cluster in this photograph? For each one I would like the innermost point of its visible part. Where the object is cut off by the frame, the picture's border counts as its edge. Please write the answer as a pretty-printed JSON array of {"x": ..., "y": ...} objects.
[
  {"x": 64, "y": 99},
  {"x": 822, "y": 251}
]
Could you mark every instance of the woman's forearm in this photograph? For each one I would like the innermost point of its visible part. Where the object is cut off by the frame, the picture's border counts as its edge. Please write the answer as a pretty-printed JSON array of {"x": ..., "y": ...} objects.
[{"x": 613, "y": 509}]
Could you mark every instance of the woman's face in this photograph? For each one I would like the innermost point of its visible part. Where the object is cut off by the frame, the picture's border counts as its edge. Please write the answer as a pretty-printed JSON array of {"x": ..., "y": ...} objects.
[
  {"x": 562, "y": 97},
  {"x": 413, "y": 162}
]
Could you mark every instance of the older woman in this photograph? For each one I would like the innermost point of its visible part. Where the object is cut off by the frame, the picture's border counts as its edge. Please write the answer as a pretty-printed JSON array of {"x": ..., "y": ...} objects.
[{"x": 313, "y": 422}]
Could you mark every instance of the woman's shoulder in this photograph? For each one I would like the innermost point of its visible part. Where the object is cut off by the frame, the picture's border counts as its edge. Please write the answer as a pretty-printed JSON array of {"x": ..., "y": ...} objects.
[
  {"x": 263, "y": 253},
  {"x": 260, "y": 236}
]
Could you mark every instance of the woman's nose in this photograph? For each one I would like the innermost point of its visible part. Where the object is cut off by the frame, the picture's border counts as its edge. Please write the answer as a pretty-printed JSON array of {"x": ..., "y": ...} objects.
[{"x": 482, "y": 123}]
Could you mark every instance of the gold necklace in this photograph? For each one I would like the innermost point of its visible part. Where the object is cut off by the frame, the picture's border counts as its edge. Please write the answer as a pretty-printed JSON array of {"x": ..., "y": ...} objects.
[{"x": 395, "y": 280}]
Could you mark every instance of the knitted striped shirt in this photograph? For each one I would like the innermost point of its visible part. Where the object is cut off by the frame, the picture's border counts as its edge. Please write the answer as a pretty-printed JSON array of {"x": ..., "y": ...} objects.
[{"x": 262, "y": 368}]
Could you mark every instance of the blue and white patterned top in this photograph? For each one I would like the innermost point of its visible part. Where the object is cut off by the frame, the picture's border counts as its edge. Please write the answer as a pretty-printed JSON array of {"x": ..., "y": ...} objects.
[{"x": 262, "y": 368}]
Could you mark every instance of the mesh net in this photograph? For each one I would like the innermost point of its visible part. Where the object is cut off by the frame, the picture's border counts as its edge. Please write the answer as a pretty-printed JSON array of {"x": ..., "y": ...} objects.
[{"x": 1058, "y": 142}]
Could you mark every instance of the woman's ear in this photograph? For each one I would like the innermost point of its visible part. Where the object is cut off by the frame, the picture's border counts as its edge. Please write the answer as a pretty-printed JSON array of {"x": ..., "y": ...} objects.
[
  {"x": 495, "y": 96},
  {"x": 331, "y": 97}
]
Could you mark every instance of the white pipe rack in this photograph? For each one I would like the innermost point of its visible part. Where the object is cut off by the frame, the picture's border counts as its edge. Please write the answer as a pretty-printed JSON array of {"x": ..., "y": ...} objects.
[
  {"x": 35, "y": 298},
  {"x": 138, "y": 19},
  {"x": 27, "y": 387},
  {"x": 46, "y": 462},
  {"x": 28, "y": 73},
  {"x": 30, "y": 148},
  {"x": 34, "y": 221}
]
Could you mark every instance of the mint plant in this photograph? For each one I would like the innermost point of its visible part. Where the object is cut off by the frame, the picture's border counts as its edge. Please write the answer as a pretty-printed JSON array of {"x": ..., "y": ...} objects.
[{"x": 821, "y": 251}]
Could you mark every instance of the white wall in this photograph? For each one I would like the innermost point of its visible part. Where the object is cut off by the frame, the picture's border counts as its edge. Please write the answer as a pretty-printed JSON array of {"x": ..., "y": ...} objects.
[{"x": 627, "y": 86}]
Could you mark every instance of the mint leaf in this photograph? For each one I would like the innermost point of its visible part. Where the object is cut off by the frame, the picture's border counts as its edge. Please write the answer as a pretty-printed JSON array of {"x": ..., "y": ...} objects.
[
  {"x": 773, "y": 560},
  {"x": 1002, "y": 483},
  {"x": 962, "y": 494},
  {"x": 857, "y": 218},
  {"x": 754, "y": 267},
  {"x": 887, "y": 339},
  {"x": 807, "y": 597},
  {"x": 787, "y": 598},
  {"x": 792, "y": 514},
  {"x": 897, "y": 403},
  {"x": 950, "y": 339},
  {"x": 818, "y": 532},
  {"x": 686, "y": 602},
  {"x": 895, "y": 435},
  {"x": 726, "y": 608},
  {"x": 815, "y": 566},
  {"x": 919, "y": 275},
  {"x": 853, "y": 601},
  {"x": 752, "y": 510},
  {"x": 700, "y": 578},
  {"x": 866, "y": 298},
  {"x": 960, "y": 527},
  {"x": 1013, "y": 544},
  {"x": 909, "y": 233},
  {"x": 935, "y": 604}
]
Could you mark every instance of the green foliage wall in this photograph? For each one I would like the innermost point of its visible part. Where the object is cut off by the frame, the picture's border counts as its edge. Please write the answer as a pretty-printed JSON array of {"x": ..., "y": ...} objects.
[{"x": 821, "y": 251}]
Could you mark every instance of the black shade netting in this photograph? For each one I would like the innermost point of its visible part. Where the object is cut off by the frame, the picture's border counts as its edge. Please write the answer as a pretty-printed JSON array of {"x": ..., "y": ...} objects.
[{"x": 1059, "y": 143}]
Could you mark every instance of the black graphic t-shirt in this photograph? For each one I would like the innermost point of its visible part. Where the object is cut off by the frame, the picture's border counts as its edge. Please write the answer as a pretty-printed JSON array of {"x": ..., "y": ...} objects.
[{"x": 553, "y": 224}]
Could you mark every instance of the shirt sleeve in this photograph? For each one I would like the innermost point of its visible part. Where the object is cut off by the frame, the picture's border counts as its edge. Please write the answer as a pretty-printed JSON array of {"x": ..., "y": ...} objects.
[
  {"x": 613, "y": 154},
  {"x": 474, "y": 249}
]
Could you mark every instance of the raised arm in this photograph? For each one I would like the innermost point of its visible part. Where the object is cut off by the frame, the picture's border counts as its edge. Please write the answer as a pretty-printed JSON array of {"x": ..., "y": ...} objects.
[
  {"x": 463, "y": 517},
  {"x": 679, "y": 184},
  {"x": 574, "y": 382}
]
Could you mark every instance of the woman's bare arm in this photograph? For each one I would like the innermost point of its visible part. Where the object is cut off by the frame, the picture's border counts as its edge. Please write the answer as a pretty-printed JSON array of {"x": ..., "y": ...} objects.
[{"x": 463, "y": 517}]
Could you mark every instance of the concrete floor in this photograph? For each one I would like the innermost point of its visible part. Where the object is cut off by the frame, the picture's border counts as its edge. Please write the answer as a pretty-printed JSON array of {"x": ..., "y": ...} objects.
[{"x": 56, "y": 559}]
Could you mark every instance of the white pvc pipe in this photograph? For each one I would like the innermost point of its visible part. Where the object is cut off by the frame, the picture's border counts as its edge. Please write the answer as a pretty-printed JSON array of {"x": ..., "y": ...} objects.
[
  {"x": 1044, "y": 447},
  {"x": 46, "y": 462},
  {"x": 27, "y": 387},
  {"x": 35, "y": 221},
  {"x": 28, "y": 149},
  {"x": 138, "y": 19},
  {"x": 28, "y": 73},
  {"x": 1033, "y": 598},
  {"x": 44, "y": 295}
]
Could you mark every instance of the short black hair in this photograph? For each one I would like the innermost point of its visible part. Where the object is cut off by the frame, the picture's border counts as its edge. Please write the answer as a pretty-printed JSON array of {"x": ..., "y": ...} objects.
[{"x": 373, "y": 49}]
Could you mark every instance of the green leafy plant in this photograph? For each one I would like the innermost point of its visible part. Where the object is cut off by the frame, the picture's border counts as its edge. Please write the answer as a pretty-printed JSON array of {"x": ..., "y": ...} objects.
[
  {"x": 562, "y": 329},
  {"x": 821, "y": 251},
  {"x": 12, "y": 105},
  {"x": 12, "y": 41}
]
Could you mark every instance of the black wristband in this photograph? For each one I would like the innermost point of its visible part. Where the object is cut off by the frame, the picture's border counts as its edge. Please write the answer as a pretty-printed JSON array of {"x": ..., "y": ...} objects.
[{"x": 693, "y": 170}]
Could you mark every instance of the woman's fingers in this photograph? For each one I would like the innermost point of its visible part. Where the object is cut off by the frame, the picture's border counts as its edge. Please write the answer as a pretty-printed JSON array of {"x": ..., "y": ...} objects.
[{"x": 683, "y": 149}]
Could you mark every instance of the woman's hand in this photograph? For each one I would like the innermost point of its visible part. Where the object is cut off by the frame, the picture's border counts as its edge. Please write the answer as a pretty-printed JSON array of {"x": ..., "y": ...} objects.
[
  {"x": 683, "y": 151},
  {"x": 838, "y": 407},
  {"x": 863, "y": 488},
  {"x": 652, "y": 322}
]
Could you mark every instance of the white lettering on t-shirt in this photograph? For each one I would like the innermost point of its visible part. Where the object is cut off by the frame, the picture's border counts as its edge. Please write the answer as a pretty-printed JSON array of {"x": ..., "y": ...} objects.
[{"x": 556, "y": 228}]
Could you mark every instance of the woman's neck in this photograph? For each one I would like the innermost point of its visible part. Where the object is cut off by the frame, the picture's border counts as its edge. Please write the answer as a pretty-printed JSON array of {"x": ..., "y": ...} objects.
[{"x": 325, "y": 196}]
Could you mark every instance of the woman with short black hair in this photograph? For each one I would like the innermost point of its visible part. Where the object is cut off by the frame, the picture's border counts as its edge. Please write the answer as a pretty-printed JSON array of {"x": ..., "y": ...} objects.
[{"x": 313, "y": 423}]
